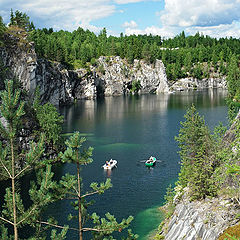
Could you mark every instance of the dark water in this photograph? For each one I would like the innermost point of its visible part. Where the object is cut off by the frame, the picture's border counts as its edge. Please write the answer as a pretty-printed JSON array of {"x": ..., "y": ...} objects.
[{"x": 130, "y": 129}]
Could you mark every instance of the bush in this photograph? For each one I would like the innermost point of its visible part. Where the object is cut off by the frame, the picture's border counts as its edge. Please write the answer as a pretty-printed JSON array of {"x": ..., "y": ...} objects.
[
  {"x": 50, "y": 122},
  {"x": 136, "y": 86}
]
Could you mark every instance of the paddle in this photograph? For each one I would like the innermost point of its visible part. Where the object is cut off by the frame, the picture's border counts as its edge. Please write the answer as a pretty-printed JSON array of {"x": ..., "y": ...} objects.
[{"x": 147, "y": 159}]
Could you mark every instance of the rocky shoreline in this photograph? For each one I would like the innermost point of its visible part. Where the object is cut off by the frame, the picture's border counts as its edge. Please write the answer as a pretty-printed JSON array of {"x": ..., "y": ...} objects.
[{"x": 205, "y": 219}]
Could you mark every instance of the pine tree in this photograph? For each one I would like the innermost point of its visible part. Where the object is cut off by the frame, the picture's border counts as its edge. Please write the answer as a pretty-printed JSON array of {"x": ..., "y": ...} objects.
[
  {"x": 13, "y": 211},
  {"x": 2, "y": 30},
  {"x": 72, "y": 188},
  {"x": 233, "y": 81},
  {"x": 21, "y": 20},
  {"x": 197, "y": 156}
]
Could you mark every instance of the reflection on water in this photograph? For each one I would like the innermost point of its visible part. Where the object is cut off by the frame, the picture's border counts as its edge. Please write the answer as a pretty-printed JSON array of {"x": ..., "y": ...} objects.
[
  {"x": 91, "y": 112},
  {"x": 130, "y": 129}
]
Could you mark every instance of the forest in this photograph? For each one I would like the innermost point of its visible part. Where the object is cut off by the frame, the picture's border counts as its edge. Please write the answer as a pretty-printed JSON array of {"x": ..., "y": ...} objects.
[
  {"x": 182, "y": 55},
  {"x": 197, "y": 56}
]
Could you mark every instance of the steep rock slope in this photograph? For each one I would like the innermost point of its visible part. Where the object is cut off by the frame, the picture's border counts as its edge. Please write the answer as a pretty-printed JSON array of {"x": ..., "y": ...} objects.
[{"x": 61, "y": 86}]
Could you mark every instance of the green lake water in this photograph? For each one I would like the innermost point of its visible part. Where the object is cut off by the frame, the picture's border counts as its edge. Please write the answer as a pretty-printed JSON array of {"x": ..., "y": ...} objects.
[{"x": 131, "y": 129}]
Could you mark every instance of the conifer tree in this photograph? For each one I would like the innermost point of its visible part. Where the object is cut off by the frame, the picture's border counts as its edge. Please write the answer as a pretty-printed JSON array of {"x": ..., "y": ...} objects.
[
  {"x": 21, "y": 20},
  {"x": 233, "y": 81},
  {"x": 2, "y": 27},
  {"x": 72, "y": 188},
  {"x": 197, "y": 155},
  {"x": 14, "y": 213}
]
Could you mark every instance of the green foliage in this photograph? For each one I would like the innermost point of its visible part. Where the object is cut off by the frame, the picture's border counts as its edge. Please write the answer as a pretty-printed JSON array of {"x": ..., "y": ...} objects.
[
  {"x": 233, "y": 80},
  {"x": 169, "y": 204},
  {"x": 14, "y": 214},
  {"x": 219, "y": 132},
  {"x": 76, "y": 64},
  {"x": 197, "y": 156},
  {"x": 71, "y": 187},
  {"x": 2, "y": 30},
  {"x": 50, "y": 121},
  {"x": 11, "y": 109},
  {"x": 231, "y": 233},
  {"x": 170, "y": 193},
  {"x": 101, "y": 69},
  {"x": 197, "y": 72},
  {"x": 21, "y": 20},
  {"x": 136, "y": 86},
  {"x": 176, "y": 53},
  {"x": 72, "y": 154},
  {"x": 106, "y": 226}
]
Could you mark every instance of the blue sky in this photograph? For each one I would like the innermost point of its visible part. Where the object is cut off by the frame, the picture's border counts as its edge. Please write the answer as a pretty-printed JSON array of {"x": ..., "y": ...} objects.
[{"x": 217, "y": 18}]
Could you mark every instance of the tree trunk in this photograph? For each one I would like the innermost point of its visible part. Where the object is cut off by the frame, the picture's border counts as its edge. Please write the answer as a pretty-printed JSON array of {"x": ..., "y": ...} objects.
[
  {"x": 79, "y": 204},
  {"x": 13, "y": 194}
]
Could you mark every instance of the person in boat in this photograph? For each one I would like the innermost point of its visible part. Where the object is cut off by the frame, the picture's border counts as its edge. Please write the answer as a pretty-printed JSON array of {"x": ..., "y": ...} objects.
[{"x": 107, "y": 163}]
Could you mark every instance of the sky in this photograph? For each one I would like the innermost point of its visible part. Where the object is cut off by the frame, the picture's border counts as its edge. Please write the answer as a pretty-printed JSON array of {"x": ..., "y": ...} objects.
[{"x": 216, "y": 18}]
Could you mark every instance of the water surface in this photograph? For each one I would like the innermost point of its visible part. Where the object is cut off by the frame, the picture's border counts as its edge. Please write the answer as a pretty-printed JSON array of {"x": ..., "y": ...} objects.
[{"x": 131, "y": 129}]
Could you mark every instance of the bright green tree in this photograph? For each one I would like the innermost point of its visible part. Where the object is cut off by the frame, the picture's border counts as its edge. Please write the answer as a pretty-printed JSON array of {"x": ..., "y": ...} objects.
[
  {"x": 21, "y": 20},
  {"x": 50, "y": 122},
  {"x": 2, "y": 27},
  {"x": 233, "y": 81},
  {"x": 197, "y": 155}
]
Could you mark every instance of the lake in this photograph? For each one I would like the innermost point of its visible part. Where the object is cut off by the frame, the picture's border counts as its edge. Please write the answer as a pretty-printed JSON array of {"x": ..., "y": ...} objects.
[{"x": 131, "y": 129}]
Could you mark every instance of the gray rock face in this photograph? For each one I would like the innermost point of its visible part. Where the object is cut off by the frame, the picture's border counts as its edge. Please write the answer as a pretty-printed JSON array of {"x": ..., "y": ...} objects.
[
  {"x": 192, "y": 83},
  {"x": 230, "y": 134},
  {"x": 116, "y": 77},
  {"x": 119, "y": 76},
  {"x": 22, "y": 65},
  {"x": 204, "y": 220},
  {"x": 60, "y": 86}
]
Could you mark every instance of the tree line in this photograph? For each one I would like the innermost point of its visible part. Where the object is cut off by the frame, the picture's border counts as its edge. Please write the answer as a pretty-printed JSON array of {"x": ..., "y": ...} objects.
[
  {"x": 197, "y": 56},
  {"x": 182, "y": 55}
]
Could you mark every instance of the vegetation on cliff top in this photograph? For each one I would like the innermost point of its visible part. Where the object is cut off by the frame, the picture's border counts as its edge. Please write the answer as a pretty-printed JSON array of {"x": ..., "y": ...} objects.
[{"x": 196, "y": 56}]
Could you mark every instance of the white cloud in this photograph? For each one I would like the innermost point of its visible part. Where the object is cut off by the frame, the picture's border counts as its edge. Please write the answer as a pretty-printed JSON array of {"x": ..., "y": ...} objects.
[
  {"x": 131, "y": 24},
  {"x": 222, "y": 30},
  {"x": 165, "y": 32},
  {"x": 128, "y": 1},
  {"x": 61, "y": 13},
  {"x": 211, "y": 17},
  {"x": 200, "y": 12}
]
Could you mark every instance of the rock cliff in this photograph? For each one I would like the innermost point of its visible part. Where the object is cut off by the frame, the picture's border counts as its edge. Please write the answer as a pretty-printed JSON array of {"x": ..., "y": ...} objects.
[
  {"x": 109, "y": 77},
  {"x": 205, "y": 220},
  {"x": 193, "y": 83}
]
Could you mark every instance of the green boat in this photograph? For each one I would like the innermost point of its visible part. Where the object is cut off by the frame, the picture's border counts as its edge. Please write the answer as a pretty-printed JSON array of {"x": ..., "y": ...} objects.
[{"x": 150, "y": 162}]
